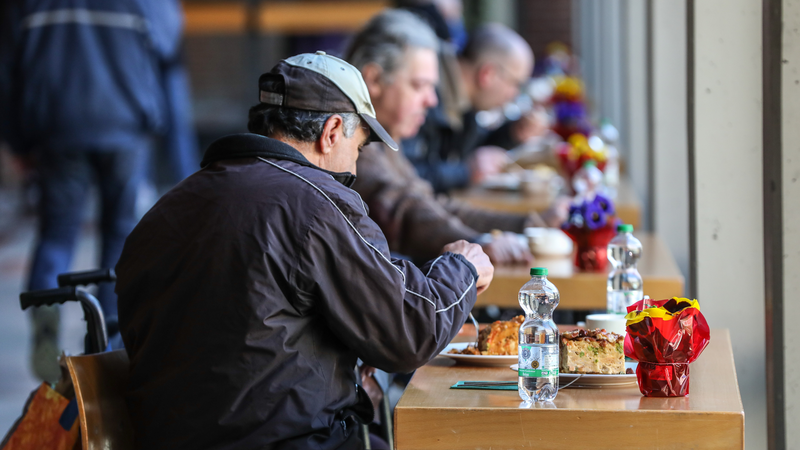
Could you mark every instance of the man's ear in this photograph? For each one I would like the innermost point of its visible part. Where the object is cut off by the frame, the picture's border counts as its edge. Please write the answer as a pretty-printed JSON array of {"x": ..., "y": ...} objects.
[
  {"x": 484, "y": 75},
  {"x": 332, "y": 133},
  {"x": 371, "y": 73}
]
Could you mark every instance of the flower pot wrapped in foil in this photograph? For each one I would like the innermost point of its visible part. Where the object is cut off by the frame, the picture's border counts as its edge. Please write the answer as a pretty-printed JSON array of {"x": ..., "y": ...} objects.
[
  {"x": 591, "y": 225},
  {"x": 665, "y": 336}
]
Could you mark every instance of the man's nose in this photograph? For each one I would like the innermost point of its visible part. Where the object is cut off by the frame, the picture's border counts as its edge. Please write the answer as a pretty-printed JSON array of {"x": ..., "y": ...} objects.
[{"x": 431, "y": 99}]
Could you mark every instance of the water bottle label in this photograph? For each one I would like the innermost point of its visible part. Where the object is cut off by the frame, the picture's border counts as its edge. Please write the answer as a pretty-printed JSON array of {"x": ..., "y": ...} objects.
[{"x": 538, "y": 360}]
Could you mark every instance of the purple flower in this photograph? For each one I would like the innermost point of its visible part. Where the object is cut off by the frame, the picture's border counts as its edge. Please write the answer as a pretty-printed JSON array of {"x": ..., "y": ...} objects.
[
  {"x": 594, "y": 216},
  {"x": 569, "y": 111},
  {"x": 606, "y": 205},
  {"x": 591, "y": 214},
  {"x": 575, "y": 217}
]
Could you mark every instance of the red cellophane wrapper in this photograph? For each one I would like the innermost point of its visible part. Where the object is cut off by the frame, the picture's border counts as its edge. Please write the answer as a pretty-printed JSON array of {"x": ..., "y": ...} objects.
[
  {"x": 665, "y": 336},
  {"x": 591, "y": 254}
]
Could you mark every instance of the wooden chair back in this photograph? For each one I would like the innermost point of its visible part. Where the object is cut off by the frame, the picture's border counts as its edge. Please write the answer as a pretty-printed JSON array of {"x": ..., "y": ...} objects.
[{"x": 100, "y": 381}]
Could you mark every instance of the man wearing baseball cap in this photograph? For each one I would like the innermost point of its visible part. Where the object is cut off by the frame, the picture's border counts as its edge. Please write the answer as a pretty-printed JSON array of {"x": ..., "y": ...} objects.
[{"x": 249, "y": 291}]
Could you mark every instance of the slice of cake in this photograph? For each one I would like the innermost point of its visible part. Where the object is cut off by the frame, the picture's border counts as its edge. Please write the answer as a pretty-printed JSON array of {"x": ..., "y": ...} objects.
[
  {"x": 592, "y": 351},
  {"x": 501, "y": 337}
]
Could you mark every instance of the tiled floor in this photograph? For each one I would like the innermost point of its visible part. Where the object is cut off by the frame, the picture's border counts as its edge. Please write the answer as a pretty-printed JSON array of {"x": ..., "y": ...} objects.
[{"x": 17, "y": 233}]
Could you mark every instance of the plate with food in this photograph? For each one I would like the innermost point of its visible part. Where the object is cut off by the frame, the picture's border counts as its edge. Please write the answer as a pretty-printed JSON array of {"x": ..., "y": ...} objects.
[
  {"x": 598, "y": 380},
  {"x": 466, "y": 353},
  {"x": 588, "y": 380},
  {"x": 502, "y": 182},
  {"x": 497, "y": 345}
]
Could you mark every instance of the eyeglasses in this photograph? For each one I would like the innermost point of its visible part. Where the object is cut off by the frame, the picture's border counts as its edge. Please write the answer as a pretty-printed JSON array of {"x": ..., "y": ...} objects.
[{"x": 508, "y": 77}]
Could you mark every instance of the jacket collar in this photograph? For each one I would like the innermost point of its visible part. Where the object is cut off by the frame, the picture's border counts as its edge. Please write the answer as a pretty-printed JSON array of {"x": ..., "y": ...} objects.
[{"x": 248, "y": 145}]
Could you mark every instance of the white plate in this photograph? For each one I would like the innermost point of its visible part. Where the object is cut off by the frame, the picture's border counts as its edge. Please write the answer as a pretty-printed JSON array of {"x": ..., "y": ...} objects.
[
  {"x": 477, "y": 360},
  {"x": 502, "y": 182},
  {"x": 596, "y": 380}
]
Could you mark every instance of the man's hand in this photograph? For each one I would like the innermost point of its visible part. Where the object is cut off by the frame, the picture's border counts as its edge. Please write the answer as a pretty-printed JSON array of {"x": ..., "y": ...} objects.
[
  {"x": 475, "y": 255},
  {"x": 558, "y": 212},
  {"x": 533, "y": 124},
  {"x": 371, "y": 387},
  {"x": 506, "y": 248},
  {"x": 487, "y": 161}
]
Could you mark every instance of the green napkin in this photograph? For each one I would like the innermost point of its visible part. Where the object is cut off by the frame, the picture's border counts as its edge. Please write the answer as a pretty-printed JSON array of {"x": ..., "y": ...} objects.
[{"x": 488, "y": 386}]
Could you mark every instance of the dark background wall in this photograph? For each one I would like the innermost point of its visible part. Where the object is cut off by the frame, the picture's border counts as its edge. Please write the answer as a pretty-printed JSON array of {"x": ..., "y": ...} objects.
[{"x": 541, "y": 22}]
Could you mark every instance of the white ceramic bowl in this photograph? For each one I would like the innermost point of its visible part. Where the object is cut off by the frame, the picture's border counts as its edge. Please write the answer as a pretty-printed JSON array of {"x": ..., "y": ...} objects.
[
  {"x": 611, "y": 322},
  {"x": 548, "y": 242}
]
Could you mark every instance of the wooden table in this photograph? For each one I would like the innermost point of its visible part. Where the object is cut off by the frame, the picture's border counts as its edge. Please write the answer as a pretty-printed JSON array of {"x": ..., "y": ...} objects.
[
  {"x": 628, "y": 205},
  {"x": 297, "y": 17},
  {"x": 431, "y": 416},
  {"x": 661, "y": 275}
]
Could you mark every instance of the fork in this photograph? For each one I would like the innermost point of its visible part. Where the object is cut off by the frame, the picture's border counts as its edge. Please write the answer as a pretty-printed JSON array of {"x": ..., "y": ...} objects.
[
  {"x": 477, "y": 332},
  {"x": 509, "y": 383}
]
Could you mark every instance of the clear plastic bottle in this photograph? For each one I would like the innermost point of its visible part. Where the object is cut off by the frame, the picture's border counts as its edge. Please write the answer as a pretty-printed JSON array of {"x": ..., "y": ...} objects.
[
  {"x": 624, "y": 282},
  {"x": 538, "y": 339},
  {"x": 587, "y": 181}
]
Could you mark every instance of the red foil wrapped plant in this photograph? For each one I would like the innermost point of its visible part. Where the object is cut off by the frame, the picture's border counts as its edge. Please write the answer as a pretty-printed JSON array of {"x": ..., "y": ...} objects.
[{"x": 665, "y": 336}]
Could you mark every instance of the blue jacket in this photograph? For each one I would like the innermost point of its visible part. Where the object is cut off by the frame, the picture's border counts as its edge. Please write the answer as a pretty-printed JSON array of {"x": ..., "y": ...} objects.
[{"x": 79, "y": 74}]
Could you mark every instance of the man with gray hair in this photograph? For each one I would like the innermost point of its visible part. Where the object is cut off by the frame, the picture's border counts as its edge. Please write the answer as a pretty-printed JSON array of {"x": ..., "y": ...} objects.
[
  {"x": 452, "y": 152},
  {"x": 396, "y": 53},
  {"x": 250, "y": 290}
]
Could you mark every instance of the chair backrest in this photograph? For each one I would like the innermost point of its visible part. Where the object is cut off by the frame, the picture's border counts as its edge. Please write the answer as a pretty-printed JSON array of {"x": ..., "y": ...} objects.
[{"x": 100, "y": 381}]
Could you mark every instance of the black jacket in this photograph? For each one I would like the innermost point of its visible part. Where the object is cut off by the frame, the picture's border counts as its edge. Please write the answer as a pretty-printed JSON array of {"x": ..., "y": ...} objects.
[
  {"x": 440, "y": 152},
  {"x": 248, "y": 292}
]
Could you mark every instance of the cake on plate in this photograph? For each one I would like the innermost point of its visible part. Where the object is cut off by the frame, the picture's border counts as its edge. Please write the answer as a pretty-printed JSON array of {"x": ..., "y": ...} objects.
[
  {"x": 501, "y": 337},
  {"x": 592, "y": 351}
]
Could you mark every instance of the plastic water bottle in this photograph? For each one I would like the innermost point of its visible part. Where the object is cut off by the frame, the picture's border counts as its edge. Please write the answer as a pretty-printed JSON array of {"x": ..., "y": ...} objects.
[
  {"x": 624, "y": 282},
  {"x": 586, "y": 181},
  {"x": 538, "y": 339}
]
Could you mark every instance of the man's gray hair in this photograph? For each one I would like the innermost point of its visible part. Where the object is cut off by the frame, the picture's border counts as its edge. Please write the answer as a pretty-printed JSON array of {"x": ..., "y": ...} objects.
[
  {"x": 295, "y": 124},
  {"x": 386, "y": 37},
  {"x": 493, "y": 41}
]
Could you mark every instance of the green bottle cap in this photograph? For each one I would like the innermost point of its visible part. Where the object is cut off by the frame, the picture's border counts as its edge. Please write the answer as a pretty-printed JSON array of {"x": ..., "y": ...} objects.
[
  {"x": 625, "y": 228},
  {"x": 538, "y": 271},
  {"x": 590, "y": 162}
]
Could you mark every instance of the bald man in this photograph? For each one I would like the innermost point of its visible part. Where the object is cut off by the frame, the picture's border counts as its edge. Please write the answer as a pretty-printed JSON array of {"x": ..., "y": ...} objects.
[{"x": 449, "y": 153}]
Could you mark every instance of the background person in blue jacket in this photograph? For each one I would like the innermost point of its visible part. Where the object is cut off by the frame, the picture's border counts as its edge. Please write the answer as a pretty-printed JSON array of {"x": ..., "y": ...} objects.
[{"x": 85, "y": 85}]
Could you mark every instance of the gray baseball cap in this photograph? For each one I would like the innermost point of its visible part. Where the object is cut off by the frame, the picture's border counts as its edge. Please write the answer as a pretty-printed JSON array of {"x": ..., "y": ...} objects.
[{"x": 323, "y": 83}]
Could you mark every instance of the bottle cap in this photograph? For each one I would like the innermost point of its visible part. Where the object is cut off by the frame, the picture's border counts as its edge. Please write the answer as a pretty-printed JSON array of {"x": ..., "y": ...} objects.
[
  {"x": 590, "y": 162},
  {"x": 625, "y": 228},
  {"x": 538, "y": 271}
]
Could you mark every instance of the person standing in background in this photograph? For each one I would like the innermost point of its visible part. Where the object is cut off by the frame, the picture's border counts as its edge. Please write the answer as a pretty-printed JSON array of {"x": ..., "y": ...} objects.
[{"x": 85, "y": 86}]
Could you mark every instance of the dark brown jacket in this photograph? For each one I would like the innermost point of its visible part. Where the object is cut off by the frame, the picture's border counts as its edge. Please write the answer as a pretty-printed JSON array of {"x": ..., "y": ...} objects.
[
  {"x": 416, "y": 223},
  {"x": 247, "y": 293}
]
